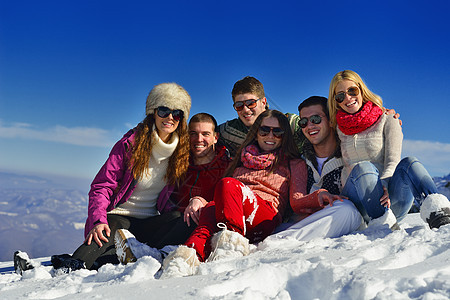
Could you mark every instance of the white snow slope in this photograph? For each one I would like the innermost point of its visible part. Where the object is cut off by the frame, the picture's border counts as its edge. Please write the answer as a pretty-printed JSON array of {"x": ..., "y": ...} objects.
[{"x": 412, "y": 263}]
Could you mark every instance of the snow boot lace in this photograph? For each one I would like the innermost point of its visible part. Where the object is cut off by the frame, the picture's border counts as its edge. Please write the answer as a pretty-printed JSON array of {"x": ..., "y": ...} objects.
[{"x": 228, "y": 244}]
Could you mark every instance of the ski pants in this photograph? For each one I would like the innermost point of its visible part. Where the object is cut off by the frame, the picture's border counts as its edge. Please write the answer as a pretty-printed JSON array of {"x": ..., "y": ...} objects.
[{"x": 242, "y": 211}]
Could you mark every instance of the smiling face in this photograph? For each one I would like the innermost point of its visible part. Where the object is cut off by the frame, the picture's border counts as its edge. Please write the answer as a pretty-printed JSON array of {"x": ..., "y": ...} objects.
[
  {"x": 269, "y": 142},
  {"x": 351, "y": 104},
  {"x": 249, "y": 115},
  {"x": 317, "y": 134},
  {"x": 165, "y": 126},
  {"x": 202, "y": 139}
]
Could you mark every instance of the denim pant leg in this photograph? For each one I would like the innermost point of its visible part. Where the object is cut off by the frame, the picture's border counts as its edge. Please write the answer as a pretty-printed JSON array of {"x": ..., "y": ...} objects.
[
  {"x": 364, "y": 189},
  {"x": 410, "y": 182}
]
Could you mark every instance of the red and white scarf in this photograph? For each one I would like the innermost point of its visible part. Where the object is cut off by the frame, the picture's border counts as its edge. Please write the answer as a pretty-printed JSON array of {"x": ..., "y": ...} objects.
[{"x": 252, "y": 158}]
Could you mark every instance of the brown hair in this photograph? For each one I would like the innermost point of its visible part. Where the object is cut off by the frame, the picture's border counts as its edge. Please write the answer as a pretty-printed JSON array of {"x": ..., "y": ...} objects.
[
  {"x": 142, "y": 149},
  {"x": 248, "y": 85},
  {"x": 287, "y": 150},
  {"x": 204, "y": 118}
]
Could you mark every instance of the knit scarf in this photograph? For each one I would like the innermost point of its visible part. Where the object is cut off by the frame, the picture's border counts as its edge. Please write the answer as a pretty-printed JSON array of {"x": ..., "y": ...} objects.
[
  {"x": 351, "y": 124},
  {"x": 251, "y": 158}
]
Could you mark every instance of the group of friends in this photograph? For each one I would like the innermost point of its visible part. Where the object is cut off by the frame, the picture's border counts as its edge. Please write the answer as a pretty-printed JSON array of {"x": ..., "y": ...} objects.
[{"x": 189, "y": 193}]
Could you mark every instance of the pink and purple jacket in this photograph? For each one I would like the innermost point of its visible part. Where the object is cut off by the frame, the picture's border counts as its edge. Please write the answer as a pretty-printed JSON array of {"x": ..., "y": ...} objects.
[{"x": 113, "y": 184}]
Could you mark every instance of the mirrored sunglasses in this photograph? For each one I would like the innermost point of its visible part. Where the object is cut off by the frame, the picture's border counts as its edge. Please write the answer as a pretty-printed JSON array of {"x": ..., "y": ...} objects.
[
  {"x": 250, "y": 103},
  {"x": 276, "y": 131},
  {"x": 315, "y": 119},
  {"x": 351, "y": 91},
  {"x": 164, "y": 112}
]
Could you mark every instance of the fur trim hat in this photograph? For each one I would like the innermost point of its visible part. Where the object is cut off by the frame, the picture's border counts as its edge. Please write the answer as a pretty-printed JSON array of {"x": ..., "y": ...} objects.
[{"x": 170, "y": 95}]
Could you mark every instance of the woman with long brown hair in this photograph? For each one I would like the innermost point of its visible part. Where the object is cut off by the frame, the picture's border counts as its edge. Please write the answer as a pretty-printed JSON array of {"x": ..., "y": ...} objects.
[{"x": 124, "y": 194}]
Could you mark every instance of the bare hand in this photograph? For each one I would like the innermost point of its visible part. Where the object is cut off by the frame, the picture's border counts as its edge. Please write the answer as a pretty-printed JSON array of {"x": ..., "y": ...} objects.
[
  {"x": 96, "y": 233},
  {"x": 396, "y": 115},
  {"x": 384, "y": 200},
  {"x": 326, "y": 198},
  {"x": 194, "y": 209}
]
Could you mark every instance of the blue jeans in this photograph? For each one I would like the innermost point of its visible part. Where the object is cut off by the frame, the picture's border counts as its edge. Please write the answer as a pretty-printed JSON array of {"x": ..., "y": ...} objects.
[{"x": 410, "y": 182}]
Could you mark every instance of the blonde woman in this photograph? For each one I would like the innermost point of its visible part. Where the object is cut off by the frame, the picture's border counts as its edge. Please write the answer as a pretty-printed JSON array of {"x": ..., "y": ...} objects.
[{"x": 371, "y": 144}]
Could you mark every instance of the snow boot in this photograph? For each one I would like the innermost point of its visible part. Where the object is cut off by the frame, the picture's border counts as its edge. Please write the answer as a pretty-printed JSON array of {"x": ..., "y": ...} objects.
[
  {"x": 228, "y": 244},
  {"x": 388, "y": 219},
  {"x": 22, "y": 262},
  {"x": 66, "y": 263},
  {"x": 181, "y": 262},
  {"x": 129, "y": 249},
  {"x": 122, "y": 242},
  {"x": 435, "y": 210}
]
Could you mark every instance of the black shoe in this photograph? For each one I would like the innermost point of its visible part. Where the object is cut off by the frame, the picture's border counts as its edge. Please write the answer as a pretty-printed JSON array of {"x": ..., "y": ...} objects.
[
  {"x": 21, "y": 262},
  {"x": 67, "y": 263},
  {"x": 439, "y": 218}
]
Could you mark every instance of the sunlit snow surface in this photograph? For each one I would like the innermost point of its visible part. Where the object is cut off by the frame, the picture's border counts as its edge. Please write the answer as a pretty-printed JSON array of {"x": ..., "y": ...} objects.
[{"x": 412, "y": 263}]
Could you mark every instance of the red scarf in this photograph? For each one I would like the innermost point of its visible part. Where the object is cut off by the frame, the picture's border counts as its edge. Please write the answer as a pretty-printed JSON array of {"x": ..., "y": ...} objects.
[
  {"x": 351, "y": 124},
  {"x": 251, "y": 158}
]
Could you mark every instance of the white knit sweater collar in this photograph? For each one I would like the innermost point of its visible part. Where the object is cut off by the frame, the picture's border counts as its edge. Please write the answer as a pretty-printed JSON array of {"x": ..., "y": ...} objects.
[{"x": 161, "y": 150}]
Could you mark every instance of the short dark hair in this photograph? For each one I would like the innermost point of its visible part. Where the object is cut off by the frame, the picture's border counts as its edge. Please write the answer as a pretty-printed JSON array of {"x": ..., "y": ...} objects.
[
  {"x": 315, "y": 100},
  {"x": 248, "y": 85},
  {"x": 204, "y": 117}
]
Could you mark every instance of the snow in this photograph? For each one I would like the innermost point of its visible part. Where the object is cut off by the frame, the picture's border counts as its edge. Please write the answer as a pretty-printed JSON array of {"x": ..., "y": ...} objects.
[{"x": 411, "y": 263}]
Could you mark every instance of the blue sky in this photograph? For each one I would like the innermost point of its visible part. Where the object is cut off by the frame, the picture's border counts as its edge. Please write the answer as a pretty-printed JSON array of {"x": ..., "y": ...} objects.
[{"x": 74, "y": 75}]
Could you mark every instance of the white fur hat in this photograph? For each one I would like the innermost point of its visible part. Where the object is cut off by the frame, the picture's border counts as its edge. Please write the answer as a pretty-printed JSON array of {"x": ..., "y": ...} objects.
[{"x": 170, "y": 95}]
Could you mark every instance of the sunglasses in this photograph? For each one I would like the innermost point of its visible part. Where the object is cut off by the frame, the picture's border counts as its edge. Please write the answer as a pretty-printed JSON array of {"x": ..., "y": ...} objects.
[
  {"x": 351, "y": 91},
  {"x": 276, "y": 131},
  {"x": 315, "y": 119},
  {"x": 239, "y": 105},
  {"x": 164, "y": 112}
]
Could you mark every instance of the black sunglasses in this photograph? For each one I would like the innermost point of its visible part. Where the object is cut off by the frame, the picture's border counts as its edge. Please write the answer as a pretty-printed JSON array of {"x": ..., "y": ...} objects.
[
  {"x": 250, "y": 103},
  {"x": 315, "y": 119},
  {"x": 352, "y": 91},
  {"x": 164, "y": 112},
  {"x": 276, "y": 131}
]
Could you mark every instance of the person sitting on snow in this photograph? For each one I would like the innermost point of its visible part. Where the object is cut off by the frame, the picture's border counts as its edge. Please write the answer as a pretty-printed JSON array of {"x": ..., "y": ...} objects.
[
  {"x": 207, "y": 163},
  {"x": 251, "y": 200},
  {"x": 124, "y": 193},
  {"x": 371, "y": 144},
  {"x": 322, "y": 154}
]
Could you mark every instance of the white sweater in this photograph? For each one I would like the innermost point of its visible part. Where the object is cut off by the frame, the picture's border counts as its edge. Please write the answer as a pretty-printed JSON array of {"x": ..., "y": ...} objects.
[
  {"x": 142, "y": 203},
  {"x": 381, "y": 144}
]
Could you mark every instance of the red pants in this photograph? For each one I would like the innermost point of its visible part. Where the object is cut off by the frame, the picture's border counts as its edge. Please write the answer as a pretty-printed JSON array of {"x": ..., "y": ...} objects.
[{"x": 239, "y": 209}]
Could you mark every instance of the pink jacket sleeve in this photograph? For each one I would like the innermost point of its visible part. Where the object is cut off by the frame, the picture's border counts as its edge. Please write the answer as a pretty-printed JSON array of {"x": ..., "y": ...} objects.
[
  {"x": 301, "y": 202},
  {"x": 299, "y": 178},
  {"x": 104, "y": 185}
]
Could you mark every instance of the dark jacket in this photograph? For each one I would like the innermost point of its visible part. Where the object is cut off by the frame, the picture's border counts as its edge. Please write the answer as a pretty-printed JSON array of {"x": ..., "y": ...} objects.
[{"x": 330, "y": 179}]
